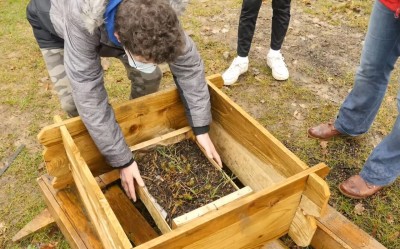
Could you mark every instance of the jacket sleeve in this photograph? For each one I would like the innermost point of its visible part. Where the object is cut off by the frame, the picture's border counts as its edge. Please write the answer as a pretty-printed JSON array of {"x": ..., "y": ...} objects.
[
  {"x": 188, "y": 72},
  {"x": 83, "y": 67}
]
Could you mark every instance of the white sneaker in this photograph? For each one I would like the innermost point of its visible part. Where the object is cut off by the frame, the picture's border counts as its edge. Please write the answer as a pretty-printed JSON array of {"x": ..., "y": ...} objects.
[
  {"x": 276, "y": 63},
  {"x": 238, "y": 67}
]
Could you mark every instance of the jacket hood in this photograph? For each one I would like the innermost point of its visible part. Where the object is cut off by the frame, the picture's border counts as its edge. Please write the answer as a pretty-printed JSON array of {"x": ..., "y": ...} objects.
[{"x": 93, "y": 11}]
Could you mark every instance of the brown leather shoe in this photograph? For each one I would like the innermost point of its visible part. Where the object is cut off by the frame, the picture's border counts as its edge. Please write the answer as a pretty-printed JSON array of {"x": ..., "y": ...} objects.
[
  {"x": 355, "y": 187},
  {"x": 324, "y": 131}
]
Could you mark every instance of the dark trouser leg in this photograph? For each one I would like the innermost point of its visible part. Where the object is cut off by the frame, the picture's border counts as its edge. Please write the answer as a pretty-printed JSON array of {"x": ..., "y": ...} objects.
[
  {"x": 280, "y": 22},
  {"x": 142, "y": 83},
  {"x": 247, "y": 25}
]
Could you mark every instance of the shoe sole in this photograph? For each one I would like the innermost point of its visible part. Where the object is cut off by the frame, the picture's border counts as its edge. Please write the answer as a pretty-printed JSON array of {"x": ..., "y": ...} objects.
[
  {"x": 350, "y": 196},
  {"x": 326, "y": 139},
  {"x": 277, "y": 77},
  {"x": 229, "y": 84}
]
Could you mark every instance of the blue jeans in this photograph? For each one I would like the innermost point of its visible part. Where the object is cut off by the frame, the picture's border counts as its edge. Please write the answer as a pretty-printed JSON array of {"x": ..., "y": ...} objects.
[{"x": 380, "y": 52}]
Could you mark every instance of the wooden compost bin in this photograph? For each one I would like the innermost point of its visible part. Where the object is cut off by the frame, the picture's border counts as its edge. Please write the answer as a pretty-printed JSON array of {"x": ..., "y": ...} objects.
[{"x": 282, "y": 194}]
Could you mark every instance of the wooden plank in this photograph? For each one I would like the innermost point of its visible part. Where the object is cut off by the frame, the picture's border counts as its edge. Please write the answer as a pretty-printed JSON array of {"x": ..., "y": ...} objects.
[
  {"x": 250, "y": 221},
  {"x": 163, "y": 138},
  {"x": 235, "y": 117},
  {"x": 154, "y": 103},
  {"x": 215, "y": 164},
  {"x": 216, "y": 79},
  {"x": 275, "y": 244},
  {"x": 42, "y": 220},
  {"x": 315, "y": 197},
  {"x": 250, "y": 170},
  {"x": 302, "y": 229},
  {"x": 62, "y": 220},
  {"x": 215, "y": 205},
  {"x": 154, "y": 209},
  {"x": 100, "y": 213},
  {"x": 139, "y": 119},
  {"x": 313, "y": 203},
  {"x": 105, "y": 179},
  {"x": 251, "y": 135},
  {"x": 132, "y": 221},
  {"x": 337, "y": 232}
]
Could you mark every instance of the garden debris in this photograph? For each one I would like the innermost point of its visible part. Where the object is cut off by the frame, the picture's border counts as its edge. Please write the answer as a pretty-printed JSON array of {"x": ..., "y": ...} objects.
[{"x": 11, "y": 159}]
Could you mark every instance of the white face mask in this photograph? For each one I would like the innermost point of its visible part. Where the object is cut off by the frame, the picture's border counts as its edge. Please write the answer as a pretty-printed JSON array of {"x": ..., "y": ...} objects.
[{"x": 142, "y": 67}]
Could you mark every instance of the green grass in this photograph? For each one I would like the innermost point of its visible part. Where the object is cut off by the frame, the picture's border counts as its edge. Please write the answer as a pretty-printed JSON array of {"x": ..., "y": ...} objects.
[
  {"x": 354, "y": 13},
  {"x": 25, "y": 101}
]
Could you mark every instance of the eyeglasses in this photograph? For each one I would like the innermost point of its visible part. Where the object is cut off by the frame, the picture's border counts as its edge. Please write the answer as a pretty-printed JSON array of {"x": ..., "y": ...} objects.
[{"x": 143, "y": 67}]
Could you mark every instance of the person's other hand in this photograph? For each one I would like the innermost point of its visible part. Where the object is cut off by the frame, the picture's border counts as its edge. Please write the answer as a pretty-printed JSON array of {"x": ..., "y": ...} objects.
[
  {"x": 205, "y": 141},
  {"x": 128, "y": 175}
]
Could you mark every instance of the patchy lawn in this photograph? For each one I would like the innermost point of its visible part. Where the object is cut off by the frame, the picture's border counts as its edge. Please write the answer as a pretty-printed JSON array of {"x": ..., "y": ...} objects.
[{"x": 322, "y": 50}]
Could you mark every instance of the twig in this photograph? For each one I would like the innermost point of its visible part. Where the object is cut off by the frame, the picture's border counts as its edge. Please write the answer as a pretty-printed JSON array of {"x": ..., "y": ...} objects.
[{"x": 11, "y": 159}]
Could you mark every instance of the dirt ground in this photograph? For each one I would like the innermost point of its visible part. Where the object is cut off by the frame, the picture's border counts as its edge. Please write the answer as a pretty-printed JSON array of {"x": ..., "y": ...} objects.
[{"x": 322, "y": 50}]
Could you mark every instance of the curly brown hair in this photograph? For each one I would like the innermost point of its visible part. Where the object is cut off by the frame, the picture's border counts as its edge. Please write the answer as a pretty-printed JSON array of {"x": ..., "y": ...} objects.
[{"x": 150, "y": 29}]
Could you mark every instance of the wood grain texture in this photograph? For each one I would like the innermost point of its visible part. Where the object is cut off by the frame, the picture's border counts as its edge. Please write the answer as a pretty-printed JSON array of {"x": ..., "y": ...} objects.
[
  {"x": 131, "y": 220},
  {"x": 140, "y": 120},
  {"x": 336, "y": 232},
  {"x": 216, "y": 79},
  {"x": 250, "y": 221},
  {"x": 68, "y": 214},
  {"x": 316, "y": 195},
  {"x": 251, "y": 135},
  {"x": 215, "y": 205},
  {"x": 302, "y": 229},
  {"x": 42, "y": 220},
  {"x": 99, "y": 211},
  {"x": 249, "y": 169},
  {"x": 153, "y": 208}
]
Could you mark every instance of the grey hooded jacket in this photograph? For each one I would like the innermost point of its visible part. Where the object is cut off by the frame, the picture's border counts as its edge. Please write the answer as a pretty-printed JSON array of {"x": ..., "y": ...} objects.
[{"x": 80, "y": 23}]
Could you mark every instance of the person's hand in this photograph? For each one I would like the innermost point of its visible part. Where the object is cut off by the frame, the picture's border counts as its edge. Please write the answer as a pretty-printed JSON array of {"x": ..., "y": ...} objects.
[
  {"x": 128, "y": 175},
  {"x": 205, "y": 141}
]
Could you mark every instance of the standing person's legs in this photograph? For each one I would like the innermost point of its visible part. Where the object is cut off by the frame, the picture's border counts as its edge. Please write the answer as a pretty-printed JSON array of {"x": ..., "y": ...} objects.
[
  {"x": 383, "y": 165},
  {"x": 280, "y": 22},
  {"x": 381, "y": 169},
  {"x": 247, "y": 25},
  {"x": 141, "y": 83},
  {"x": 378, "y": 57},
  {"x": 52, "y": 48}
]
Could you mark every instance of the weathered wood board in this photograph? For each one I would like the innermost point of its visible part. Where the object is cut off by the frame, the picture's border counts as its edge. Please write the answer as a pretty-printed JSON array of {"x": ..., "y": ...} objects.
[{"x": 288, "y": 195}]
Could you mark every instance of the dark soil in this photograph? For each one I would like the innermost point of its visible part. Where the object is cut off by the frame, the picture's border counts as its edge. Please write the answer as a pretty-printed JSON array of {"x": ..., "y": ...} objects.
[{"x": 181, "y": 178}]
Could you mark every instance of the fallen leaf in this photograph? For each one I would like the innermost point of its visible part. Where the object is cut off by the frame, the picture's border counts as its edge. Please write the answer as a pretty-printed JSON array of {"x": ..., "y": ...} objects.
[
  {"x": 297, "y": 115},
  {"x": 48, "y": 246},
  {"x": 3, "y": 228},
  {"x": 255, "y": 71},
  {"x": 359, "y": 209},
  {"x": 395, "y": 236},
  {"x": 224, "y": 30},
  {"x": 226, "y": 55},
  {"x": 324, "y": 146},
  {"x": 390, "y": 218},
  {"x": 304, "y": 106}
]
